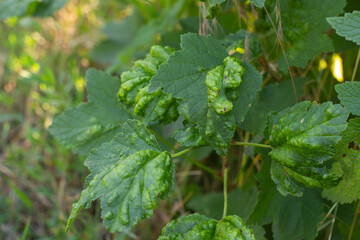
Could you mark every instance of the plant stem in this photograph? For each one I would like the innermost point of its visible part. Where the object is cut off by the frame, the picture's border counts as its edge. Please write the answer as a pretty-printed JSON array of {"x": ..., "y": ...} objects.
[
  {"x": 251, "y": 144},
  {"x": 283, "y": 51},
  {"x": 329, "y": 212},
  {"x": 356, "y": 66},
  {"x": 332, "y": 223},
  {"x": 196, "y": 163},
  {"x": 178, "y": 154},
  {"x": 226, "y": 171},
  {"x": 354, "y": 220}
]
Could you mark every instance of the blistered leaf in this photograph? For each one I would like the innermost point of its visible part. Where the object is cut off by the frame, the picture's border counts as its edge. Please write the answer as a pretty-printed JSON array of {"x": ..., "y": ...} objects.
[
  {"x": 187, "y": 75},
  {"x": 90, "y": 124},
  {"x": 349, "y": 95},
  {"x": 129, "y": 173},
  {"x": 197, "y": 226},
  {"x": 212, "y": 8},
  {"x": 303, "y": 139},
  {"x": 347, "y": 26},
  {"x": 155, "y": 106},
  {"x": 348, "y": 156},
  {"x": 291, "y": 217}
]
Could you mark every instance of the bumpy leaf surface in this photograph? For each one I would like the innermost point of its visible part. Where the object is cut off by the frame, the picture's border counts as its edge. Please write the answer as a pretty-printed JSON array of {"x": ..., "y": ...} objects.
[
  {"x": 347, "y": 26},
  {"x": 193, "y": 73},
  {"x": 129, "y": 173},
  {"x": 349, "y": 95},
  {"x": 348, "y": 156},
  {"x": 90, "y": 124},
  {"x": 303, "y": 139},
  {"x": 197, "y": 226},
  {"x": 304, "y": 26},
  {"x": 292, "y": 217},
  {"x": 155, "y": 106}
]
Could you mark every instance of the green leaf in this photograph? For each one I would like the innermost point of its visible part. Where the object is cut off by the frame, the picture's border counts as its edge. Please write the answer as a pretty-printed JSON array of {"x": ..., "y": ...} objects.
[
  {"x": 273, "y": 97},
  {"x": 347, "y": 26},
  {"x": 304, "y": 26},
  {"x": 348, "y": 157},
  {"x": 258, "y": 3},
  {"x": 134, "y": 91},
  {"x": 197, "y": 226},
  {"x": 18, "y": 8},
  {"x": 90, "y": 124},
  {"x": 194, "y": 75},
  {"x": 349, "y": 96},
  {"x": 303, "y": 139},
  {"x": 240, "y": 203},
  {"x": 292, "y": 217},
  {"x": 129, "y": 173}
]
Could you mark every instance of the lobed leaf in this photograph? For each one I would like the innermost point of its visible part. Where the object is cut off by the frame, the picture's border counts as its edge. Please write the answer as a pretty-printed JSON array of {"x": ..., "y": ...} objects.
[
  {"x": 196, "y": 226},
  {"x": 348, "y": 157},
  {"x": 303, "y": 139},
  {"x": 349, "y": 96},
  {"x": 129, "y": 173},
  {"x": 90, "y": 124},
  {"x": 347, "y": 26}
]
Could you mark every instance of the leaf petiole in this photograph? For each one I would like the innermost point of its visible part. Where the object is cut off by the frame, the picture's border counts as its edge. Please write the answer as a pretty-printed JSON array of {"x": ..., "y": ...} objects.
[
  {"x": 251, "y": 144},
  {"x": 226, "y": 171},
  {"x": 178, "y": 154}
]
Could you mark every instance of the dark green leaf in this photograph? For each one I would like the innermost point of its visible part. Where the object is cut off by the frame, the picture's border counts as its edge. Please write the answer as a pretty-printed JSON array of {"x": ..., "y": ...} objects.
[
  {"x": 304, "y": 26},
  {"x": 196, "y": 226},
  {"x": 349, "y": 96},
  {"x": 90, "y": 124},
  {"x": 303, "y": 139},
  {"x": 348, "y": 156},
  {"x": 347, "y": 26},
  {"x": 129, "y": 173},
  {"x": 274, "y": 97}
]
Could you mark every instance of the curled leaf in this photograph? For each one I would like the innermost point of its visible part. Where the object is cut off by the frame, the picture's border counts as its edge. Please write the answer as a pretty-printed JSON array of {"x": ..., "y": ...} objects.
[
  {"x": 303, "y": 139},
  {"x": 134, "y": 91},
  {"x": 196, "y": 226}
]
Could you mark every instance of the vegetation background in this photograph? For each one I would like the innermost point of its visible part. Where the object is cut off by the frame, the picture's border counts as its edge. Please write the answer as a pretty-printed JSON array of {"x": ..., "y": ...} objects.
[{"x": 43, "y": 61}]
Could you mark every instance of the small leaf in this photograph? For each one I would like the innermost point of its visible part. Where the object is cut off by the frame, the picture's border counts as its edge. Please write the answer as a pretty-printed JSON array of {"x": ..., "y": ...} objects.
[
  {"x": 348, "y": 156},
  {"x": 349, "y": 96},
  {"x": 90, "y": 124},
  {"x": 129, "y": 173},
  {"x": 303, "y": 139},
  {"x": 196, "y": 226},
  {"x": 347, "y": 26}
]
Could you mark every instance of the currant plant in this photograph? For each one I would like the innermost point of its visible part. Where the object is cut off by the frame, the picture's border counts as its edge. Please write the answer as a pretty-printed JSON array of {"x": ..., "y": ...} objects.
[{"x": 209, "y": 91}]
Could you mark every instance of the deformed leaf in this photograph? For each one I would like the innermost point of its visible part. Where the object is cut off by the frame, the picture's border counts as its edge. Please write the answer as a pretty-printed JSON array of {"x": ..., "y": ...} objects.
[
  {"x": 207, "y": 84},
  {"x": 155, "y": 106},
  {"x": 347, "y": 26},
  {"x": 90, "y": 124},
  {"x": 291, "y": 217},
  {"x": 348, "y": 156},
  {"x": 129, "y": 173},
  {"x": 303, "y": 139},
  {"x": 196, "y": 226},
  {"x": 349, "y": 96}
]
